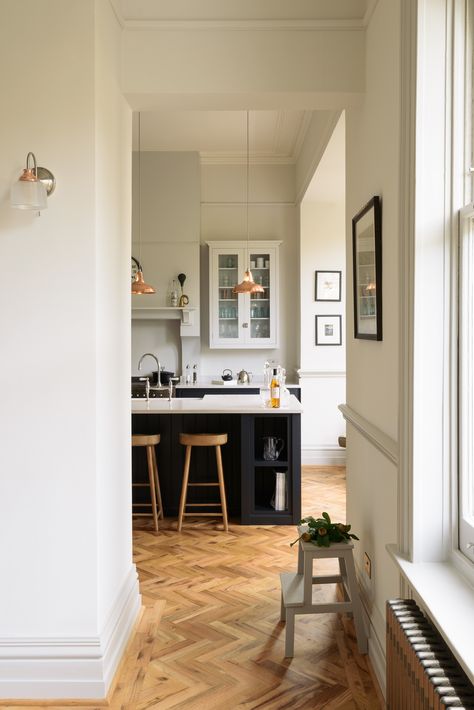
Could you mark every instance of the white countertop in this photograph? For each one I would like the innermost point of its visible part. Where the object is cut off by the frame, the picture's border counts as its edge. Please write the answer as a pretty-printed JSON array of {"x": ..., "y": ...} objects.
[
  {"x": 233, "y": 384},
  {"x": 214, "y": 404}
]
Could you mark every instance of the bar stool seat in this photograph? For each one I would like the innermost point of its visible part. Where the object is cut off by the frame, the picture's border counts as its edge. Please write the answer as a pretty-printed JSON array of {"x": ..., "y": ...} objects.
[
  {"x": 149, "y": 441},
  {"x": 215, "y": 440}
]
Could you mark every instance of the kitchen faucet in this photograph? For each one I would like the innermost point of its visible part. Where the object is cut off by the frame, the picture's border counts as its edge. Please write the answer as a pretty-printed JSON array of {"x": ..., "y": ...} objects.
[{"x": 157, "y": 364}]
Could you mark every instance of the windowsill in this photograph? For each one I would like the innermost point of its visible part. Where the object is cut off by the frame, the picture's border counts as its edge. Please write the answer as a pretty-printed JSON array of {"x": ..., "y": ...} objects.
[{"x": 449, "y": 601}]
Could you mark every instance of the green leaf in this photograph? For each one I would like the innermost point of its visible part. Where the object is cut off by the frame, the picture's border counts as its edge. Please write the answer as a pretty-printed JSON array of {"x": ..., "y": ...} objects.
[{"x": 327, "y": 518}]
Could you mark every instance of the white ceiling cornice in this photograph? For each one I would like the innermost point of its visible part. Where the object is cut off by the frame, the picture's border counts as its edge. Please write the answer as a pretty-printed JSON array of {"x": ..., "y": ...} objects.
[
  {"x": 208, "y": 158},
  {"x": 244, "y": 25}
]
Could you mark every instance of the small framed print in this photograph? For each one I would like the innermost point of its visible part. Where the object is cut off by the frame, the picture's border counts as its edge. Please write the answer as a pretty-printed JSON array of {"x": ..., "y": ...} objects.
[
  {"x": 327, "y": 286},
  {"x": 328, "y": 330}
]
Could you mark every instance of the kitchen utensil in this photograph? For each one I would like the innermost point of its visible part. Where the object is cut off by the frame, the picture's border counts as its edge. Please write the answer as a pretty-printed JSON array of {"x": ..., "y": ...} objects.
[
  {"x": 272, "y": 447},
  {"x": 243, "y": 377},
  {"x": 184, "y": 300},
  {"x": 227, "y": 375}
]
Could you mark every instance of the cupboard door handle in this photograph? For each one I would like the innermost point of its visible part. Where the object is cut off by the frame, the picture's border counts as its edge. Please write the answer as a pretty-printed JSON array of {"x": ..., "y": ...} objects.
[{"x": 245, "y": 325}]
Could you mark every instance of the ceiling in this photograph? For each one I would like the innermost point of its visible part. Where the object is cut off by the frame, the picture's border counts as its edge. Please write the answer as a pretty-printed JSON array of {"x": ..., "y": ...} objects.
[
  {"x": 275, "y": 137},
  {"x": 234, "y": 10}
]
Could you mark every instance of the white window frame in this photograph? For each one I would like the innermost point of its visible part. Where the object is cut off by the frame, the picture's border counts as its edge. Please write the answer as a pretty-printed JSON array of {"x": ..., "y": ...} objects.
[
  {"x": 465, "y": 498},
  {"x": 463, "y": 493}
]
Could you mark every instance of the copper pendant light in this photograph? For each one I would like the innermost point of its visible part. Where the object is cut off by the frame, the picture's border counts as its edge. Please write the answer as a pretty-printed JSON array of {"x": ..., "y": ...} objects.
[
  {"x": 248, "y": 285},
  {"x": 139, "y": 286}
]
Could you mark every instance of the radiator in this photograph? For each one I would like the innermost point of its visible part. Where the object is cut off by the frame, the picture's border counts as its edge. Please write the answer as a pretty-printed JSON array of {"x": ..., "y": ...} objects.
[{"x": 422, "y": 673}]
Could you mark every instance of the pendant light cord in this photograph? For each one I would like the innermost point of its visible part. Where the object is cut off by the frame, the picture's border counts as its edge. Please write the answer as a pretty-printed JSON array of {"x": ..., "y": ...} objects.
[
  {"x": 248, "y": 179},
  {"x": 139, "y": 191}
]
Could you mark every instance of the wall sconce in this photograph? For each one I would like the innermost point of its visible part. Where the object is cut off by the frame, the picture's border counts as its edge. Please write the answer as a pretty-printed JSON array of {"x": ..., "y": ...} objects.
[{"x": 32, "y": 188}]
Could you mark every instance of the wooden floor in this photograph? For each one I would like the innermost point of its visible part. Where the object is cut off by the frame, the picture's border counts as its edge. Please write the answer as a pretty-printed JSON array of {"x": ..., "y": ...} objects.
[{"x": 210, "y": 636}]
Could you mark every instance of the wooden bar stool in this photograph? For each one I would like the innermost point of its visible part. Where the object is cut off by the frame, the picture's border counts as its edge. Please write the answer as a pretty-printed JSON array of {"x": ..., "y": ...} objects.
[
  {"x": 149, "y": 441},
  {"x": 190, "y": 440}
]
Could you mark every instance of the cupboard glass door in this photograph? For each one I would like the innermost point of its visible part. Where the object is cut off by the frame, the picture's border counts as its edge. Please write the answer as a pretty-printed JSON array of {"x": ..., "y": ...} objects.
[
  {"x": 228, "y": 303},
  {"x": 262, "y": 304}
]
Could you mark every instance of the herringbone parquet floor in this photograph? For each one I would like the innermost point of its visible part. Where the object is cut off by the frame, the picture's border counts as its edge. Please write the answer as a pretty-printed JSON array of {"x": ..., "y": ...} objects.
[{"x": 210, "y": 636}]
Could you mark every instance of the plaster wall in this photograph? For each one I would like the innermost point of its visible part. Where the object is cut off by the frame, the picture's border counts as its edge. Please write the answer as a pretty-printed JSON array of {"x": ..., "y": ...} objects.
[
  {"x": 373, "y": 145},
  {"x": 322, "y": 248},
  {"x": 272, "y": 215},
  {"x": 167, "y": 244},
  {"x": 51, "y": 326},
  {"x": 168, "y": 67},
  {"x": 69, "y": 597}
]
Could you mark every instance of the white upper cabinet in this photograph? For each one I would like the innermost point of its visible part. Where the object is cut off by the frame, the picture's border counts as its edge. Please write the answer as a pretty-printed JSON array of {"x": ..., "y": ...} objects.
[{"x": 243, "y": 320}]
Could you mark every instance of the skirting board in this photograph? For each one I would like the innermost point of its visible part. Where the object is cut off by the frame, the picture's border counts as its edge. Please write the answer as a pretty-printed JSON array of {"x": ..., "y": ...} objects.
[
  {"x": 375, "y": 625},
  {"x": 323, "y": 456},
  {"x": 78, "y": 668}
]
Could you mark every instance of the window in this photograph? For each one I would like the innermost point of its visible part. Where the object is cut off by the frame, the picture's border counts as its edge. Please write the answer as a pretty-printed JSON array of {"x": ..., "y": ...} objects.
[
  {"x": 466, "y": 383},
  {"x": 466, "y": 309}
]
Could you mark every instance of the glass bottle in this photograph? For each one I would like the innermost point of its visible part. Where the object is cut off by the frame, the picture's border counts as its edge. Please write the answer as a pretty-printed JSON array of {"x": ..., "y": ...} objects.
[
  {"x": 174, "y": 293},
  {"x": 275, "y": 390}
]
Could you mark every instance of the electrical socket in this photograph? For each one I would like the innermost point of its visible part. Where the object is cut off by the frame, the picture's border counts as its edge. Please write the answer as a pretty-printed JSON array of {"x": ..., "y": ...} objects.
[{"x": 367, "y": 565}]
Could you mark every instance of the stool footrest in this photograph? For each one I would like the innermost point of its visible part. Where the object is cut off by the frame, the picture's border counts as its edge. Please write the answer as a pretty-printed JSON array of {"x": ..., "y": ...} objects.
[
  {"x": 201, "y": 515},
  {"x": 200, "y": 505},
  {"x": 203, "y": 484},
  {"x": 292, "y": 588}
]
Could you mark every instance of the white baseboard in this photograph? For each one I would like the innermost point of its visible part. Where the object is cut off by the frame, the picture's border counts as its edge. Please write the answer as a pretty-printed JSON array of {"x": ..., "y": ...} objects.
[
  {"x": 70, "y": 668},
  {"x": 375, "y": 624},
  {"x": 323, "y": 456}
]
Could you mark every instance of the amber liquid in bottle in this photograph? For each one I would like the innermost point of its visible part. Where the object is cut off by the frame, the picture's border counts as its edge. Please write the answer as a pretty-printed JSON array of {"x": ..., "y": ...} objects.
[{"x": 275, "y": 390}]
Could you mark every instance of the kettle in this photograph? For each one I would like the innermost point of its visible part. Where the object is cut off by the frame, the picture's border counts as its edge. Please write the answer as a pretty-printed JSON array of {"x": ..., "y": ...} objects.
[
  {"x": 243, "y": 377},
  {"x": 227, "y": 375}
]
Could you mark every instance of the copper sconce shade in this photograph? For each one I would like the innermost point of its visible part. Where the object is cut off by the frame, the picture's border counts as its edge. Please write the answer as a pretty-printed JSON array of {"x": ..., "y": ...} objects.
[{"x": 33, "y": 187}]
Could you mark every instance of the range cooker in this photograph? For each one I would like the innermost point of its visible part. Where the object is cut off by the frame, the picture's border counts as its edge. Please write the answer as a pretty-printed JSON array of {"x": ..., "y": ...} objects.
[{"x": 139, "y": 390}]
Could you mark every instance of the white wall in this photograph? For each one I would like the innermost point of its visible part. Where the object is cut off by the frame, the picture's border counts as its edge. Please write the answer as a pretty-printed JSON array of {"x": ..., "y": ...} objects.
[
  {"x": 272, "y": 215},
  {"x": 322, "y": 248},
  {"x": 320, "y": 68},
  {"x": 373, "y": 145},
  {"x": 66, "y": 583},
  {"x": 170, "y": 232}
]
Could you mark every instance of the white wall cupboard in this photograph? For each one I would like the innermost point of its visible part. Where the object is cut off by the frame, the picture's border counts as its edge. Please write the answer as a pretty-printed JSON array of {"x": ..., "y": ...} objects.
[{"x": 243, "y": 320}]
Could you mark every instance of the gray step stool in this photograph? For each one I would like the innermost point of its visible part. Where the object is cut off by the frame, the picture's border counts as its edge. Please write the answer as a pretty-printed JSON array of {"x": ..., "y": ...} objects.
[{"x": 296, "y": 589}]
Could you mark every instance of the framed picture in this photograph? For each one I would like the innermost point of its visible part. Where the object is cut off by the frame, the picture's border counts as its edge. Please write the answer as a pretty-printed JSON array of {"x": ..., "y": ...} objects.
[
  {"x": 328, "y": 286},
  {"x": 367, "y": 271},
  {"x": 329, "y": 330}
]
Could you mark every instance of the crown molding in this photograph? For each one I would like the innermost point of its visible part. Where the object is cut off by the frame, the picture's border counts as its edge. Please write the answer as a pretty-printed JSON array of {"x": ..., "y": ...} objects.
[
  {"x": 144, "y": 25},
  {"x": 209, "y": 158}
]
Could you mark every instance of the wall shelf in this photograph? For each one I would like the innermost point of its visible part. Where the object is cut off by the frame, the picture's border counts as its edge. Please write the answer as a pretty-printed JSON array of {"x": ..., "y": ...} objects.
[{"x": 188, "y": 316}]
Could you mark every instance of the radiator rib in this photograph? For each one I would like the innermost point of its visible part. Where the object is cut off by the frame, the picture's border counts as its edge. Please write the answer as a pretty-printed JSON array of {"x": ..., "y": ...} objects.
[{"x": 422, "y": 673}]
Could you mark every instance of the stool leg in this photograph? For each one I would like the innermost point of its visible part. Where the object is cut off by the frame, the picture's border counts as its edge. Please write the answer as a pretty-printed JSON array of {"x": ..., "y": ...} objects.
[
  {"x": 356, "y": 605},
  {"x": 282, "y": 609},
  {"x": 220, "y": 475},
  {"x": 290, "y": 633},
  {"x": 157, "y": 485},
  {"x": 184, "y": 488},
  {"x": 151, "y": 477}
]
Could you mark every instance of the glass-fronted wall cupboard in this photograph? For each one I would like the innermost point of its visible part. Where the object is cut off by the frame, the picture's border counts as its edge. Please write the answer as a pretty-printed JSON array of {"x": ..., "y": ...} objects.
[{"x": 243, "y": 320}]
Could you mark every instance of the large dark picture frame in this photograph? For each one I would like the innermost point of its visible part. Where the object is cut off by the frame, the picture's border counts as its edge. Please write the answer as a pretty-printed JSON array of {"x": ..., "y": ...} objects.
[{"x": 367, "y": 270}]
